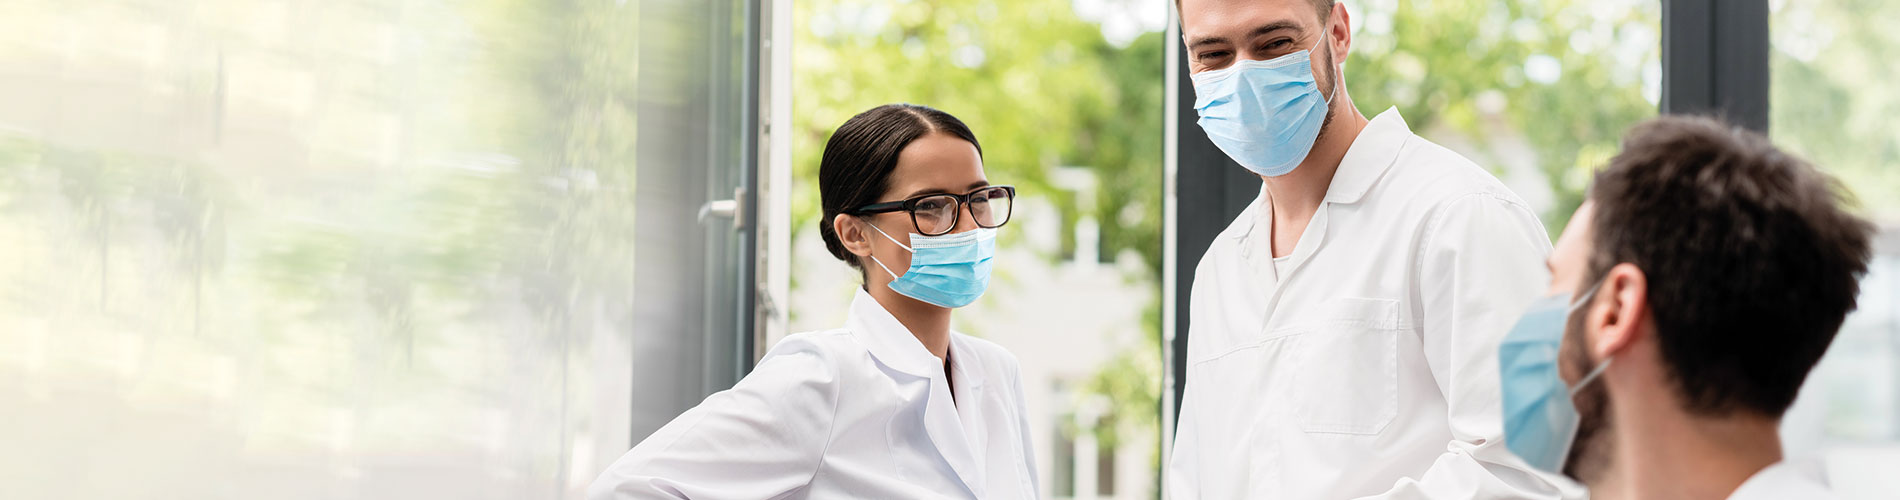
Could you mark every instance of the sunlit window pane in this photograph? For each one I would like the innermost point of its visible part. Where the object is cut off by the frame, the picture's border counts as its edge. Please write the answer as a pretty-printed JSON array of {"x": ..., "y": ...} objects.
[{"x": 1833, "y": 101}]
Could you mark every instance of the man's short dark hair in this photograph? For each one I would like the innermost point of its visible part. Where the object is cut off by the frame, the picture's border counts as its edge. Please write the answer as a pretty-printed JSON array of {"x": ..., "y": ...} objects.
[
  {"x": 1325, "y": 7},
  {"x": 1750, "y": 259}
]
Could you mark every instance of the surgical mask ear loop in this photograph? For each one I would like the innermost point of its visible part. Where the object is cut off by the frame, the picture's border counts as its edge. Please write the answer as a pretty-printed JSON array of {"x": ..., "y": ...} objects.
[
  {"x": 1587, "y": 295},
  {"x": 1588, "y": 377},
  {"x": 1594, "y": 372},
  {"x": 887, "y": 269},
  {"x": 1335, "y": 92}
]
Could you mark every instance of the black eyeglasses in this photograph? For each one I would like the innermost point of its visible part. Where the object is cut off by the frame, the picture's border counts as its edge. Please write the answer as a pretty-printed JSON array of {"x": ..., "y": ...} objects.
[{"x": 937, "y": 214}]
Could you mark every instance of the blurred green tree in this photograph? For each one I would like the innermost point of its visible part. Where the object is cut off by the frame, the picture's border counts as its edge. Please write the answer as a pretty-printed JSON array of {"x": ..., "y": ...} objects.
[{"x": 1832, "y": 96}]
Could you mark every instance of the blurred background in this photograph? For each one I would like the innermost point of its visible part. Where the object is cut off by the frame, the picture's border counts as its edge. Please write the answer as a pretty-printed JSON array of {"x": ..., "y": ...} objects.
[{"x": 478, "y": 248}]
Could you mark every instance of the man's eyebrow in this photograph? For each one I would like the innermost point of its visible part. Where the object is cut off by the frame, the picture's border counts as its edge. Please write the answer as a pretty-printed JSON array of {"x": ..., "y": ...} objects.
[
  {"x": 1207, "y": 40},
  {"x": 1260, "y": 31},
  {"x": 978, "y": 185}
]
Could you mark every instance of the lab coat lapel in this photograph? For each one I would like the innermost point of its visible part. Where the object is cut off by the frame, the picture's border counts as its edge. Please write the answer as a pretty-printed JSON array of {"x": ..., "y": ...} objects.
[
  {"x": 970, "y": 401},
  {"x": 945, "y": 426},
  {"x": 1310, "y": 241},
  {"x": 896, "y": 347},
  {"x": 1256, "y": 246}
]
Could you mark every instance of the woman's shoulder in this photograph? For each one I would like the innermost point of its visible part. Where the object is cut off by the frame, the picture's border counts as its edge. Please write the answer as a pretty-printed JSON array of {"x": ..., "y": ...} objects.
[
  {"x": 837, "y": 350},
  {"x": 805, "y": 367},
  {"x": 827, "y": 345}
]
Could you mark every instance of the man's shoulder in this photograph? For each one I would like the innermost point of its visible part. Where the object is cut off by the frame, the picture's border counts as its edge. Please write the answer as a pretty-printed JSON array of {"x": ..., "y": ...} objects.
[{"x": 1436, "y": 175}]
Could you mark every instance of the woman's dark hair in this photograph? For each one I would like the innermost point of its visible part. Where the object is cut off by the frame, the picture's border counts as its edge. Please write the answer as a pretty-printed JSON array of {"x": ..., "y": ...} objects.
[{"x": 859, "y": 157}]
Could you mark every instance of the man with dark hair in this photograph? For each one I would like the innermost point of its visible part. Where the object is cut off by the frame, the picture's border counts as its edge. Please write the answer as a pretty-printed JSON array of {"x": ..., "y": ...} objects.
[
  {"x": 1343, "y": 330},
  {"x": 1712, "y": 271}
]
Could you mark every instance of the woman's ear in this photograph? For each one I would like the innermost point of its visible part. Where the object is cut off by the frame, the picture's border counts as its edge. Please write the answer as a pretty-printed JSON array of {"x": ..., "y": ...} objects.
[
  {"x": 850, "y": 231},
  {"x": 1621, "y": 310}
]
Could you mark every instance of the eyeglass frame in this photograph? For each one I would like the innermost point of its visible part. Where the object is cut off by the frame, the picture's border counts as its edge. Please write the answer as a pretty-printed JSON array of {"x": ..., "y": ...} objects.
[{"x": 963, "y": 202}]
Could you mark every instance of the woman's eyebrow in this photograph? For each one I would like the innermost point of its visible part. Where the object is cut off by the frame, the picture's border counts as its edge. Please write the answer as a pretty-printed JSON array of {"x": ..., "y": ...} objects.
[{"x": 925, "y": 191}]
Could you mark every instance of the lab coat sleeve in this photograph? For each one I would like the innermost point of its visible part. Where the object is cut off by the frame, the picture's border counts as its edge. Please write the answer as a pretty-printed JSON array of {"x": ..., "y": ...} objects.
[
  {"x": 1480, "y": 263},
  {"x": 1022, "y": 405},
  {"x": 761, "y": 439},
  {"x": 1183, "y": 480}
]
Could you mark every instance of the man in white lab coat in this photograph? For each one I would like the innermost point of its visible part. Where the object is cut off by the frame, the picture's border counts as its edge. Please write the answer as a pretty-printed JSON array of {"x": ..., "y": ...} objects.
[
  {"x": 1344, "y": 329},
  {"x": 1710, "y": 272}
]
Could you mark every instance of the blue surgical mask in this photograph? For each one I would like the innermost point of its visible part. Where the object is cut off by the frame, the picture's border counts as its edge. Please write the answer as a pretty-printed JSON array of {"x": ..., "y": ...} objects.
[
  {"x": 951, "y": 270},
  {"x": 1540, "y": 418},
  {"x": 1263, "y": 114}
]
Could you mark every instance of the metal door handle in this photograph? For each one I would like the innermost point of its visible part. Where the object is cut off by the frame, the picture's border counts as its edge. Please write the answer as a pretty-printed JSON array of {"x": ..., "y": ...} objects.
[{"x": 726, "y": 209}]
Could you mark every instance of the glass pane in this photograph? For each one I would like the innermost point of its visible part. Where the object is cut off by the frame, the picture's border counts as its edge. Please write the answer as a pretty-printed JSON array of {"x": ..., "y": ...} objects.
[
  {"x": 1834, "y": 103},
  {"x": 353, "y": 249},
  {"x": 1538, "y": 91}
]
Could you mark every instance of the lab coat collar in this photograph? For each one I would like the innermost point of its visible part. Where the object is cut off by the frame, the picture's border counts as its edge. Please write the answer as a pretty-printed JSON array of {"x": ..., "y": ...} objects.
[
  {"x": 963, "y": 356},
  {"x": 956, "y": 429},
  {"x": 1374, "y": 151},
  {"x": 889, "y": 340}
]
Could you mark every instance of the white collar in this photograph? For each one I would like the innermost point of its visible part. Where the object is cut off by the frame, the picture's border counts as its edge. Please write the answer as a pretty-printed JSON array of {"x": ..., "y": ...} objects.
[
  {"x": 1371, "y": 154},
  {"x": 893, "y": 344}
]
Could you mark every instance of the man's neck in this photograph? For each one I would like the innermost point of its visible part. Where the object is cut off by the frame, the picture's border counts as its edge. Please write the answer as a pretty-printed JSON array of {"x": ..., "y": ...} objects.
[
  {"x": 1663, "y": 452},
  {"x": 1296, "y": 196},
  {"x": 929, "y": 323}
]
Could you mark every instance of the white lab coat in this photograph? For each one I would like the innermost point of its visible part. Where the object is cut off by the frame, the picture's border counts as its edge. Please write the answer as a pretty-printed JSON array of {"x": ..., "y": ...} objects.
[
  {"x": 857, "y": 412},
  {"x": 1368, "y": 365},
  {"x": 1781, "y": 481}
]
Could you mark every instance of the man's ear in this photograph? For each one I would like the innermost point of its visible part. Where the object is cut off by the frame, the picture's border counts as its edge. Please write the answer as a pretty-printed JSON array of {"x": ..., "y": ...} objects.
[
  {"x": 1339, "y": 27},
  {"x": 851, "y": 234},
  {"x": 1618, "y": 312}
]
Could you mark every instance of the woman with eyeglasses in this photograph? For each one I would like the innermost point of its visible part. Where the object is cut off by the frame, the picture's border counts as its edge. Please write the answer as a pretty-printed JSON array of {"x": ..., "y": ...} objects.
[{"x": 893, "y": 404}]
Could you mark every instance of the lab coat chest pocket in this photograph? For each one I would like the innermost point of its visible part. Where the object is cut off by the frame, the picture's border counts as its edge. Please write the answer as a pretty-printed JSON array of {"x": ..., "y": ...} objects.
[{"x": 1347, "y": 381}]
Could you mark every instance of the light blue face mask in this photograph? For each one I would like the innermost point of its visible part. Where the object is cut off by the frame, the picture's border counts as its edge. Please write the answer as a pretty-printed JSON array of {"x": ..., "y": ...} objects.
[
  {"x": 1540, "y": 419},
  {"x": 1264, "y": 114},
  {"x": 951, "y": 270}
]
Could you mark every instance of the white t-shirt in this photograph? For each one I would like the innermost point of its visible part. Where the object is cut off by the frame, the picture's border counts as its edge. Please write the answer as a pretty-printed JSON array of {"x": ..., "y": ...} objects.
[{"x": 1781, "y": 482}]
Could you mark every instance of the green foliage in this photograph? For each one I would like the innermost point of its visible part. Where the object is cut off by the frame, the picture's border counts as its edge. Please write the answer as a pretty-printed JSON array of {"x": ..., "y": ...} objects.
[
  {"x": 1833, "y": 95},
  {"x": 1441, "y": 61},
  {"x": 1040, "y": 87}
]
